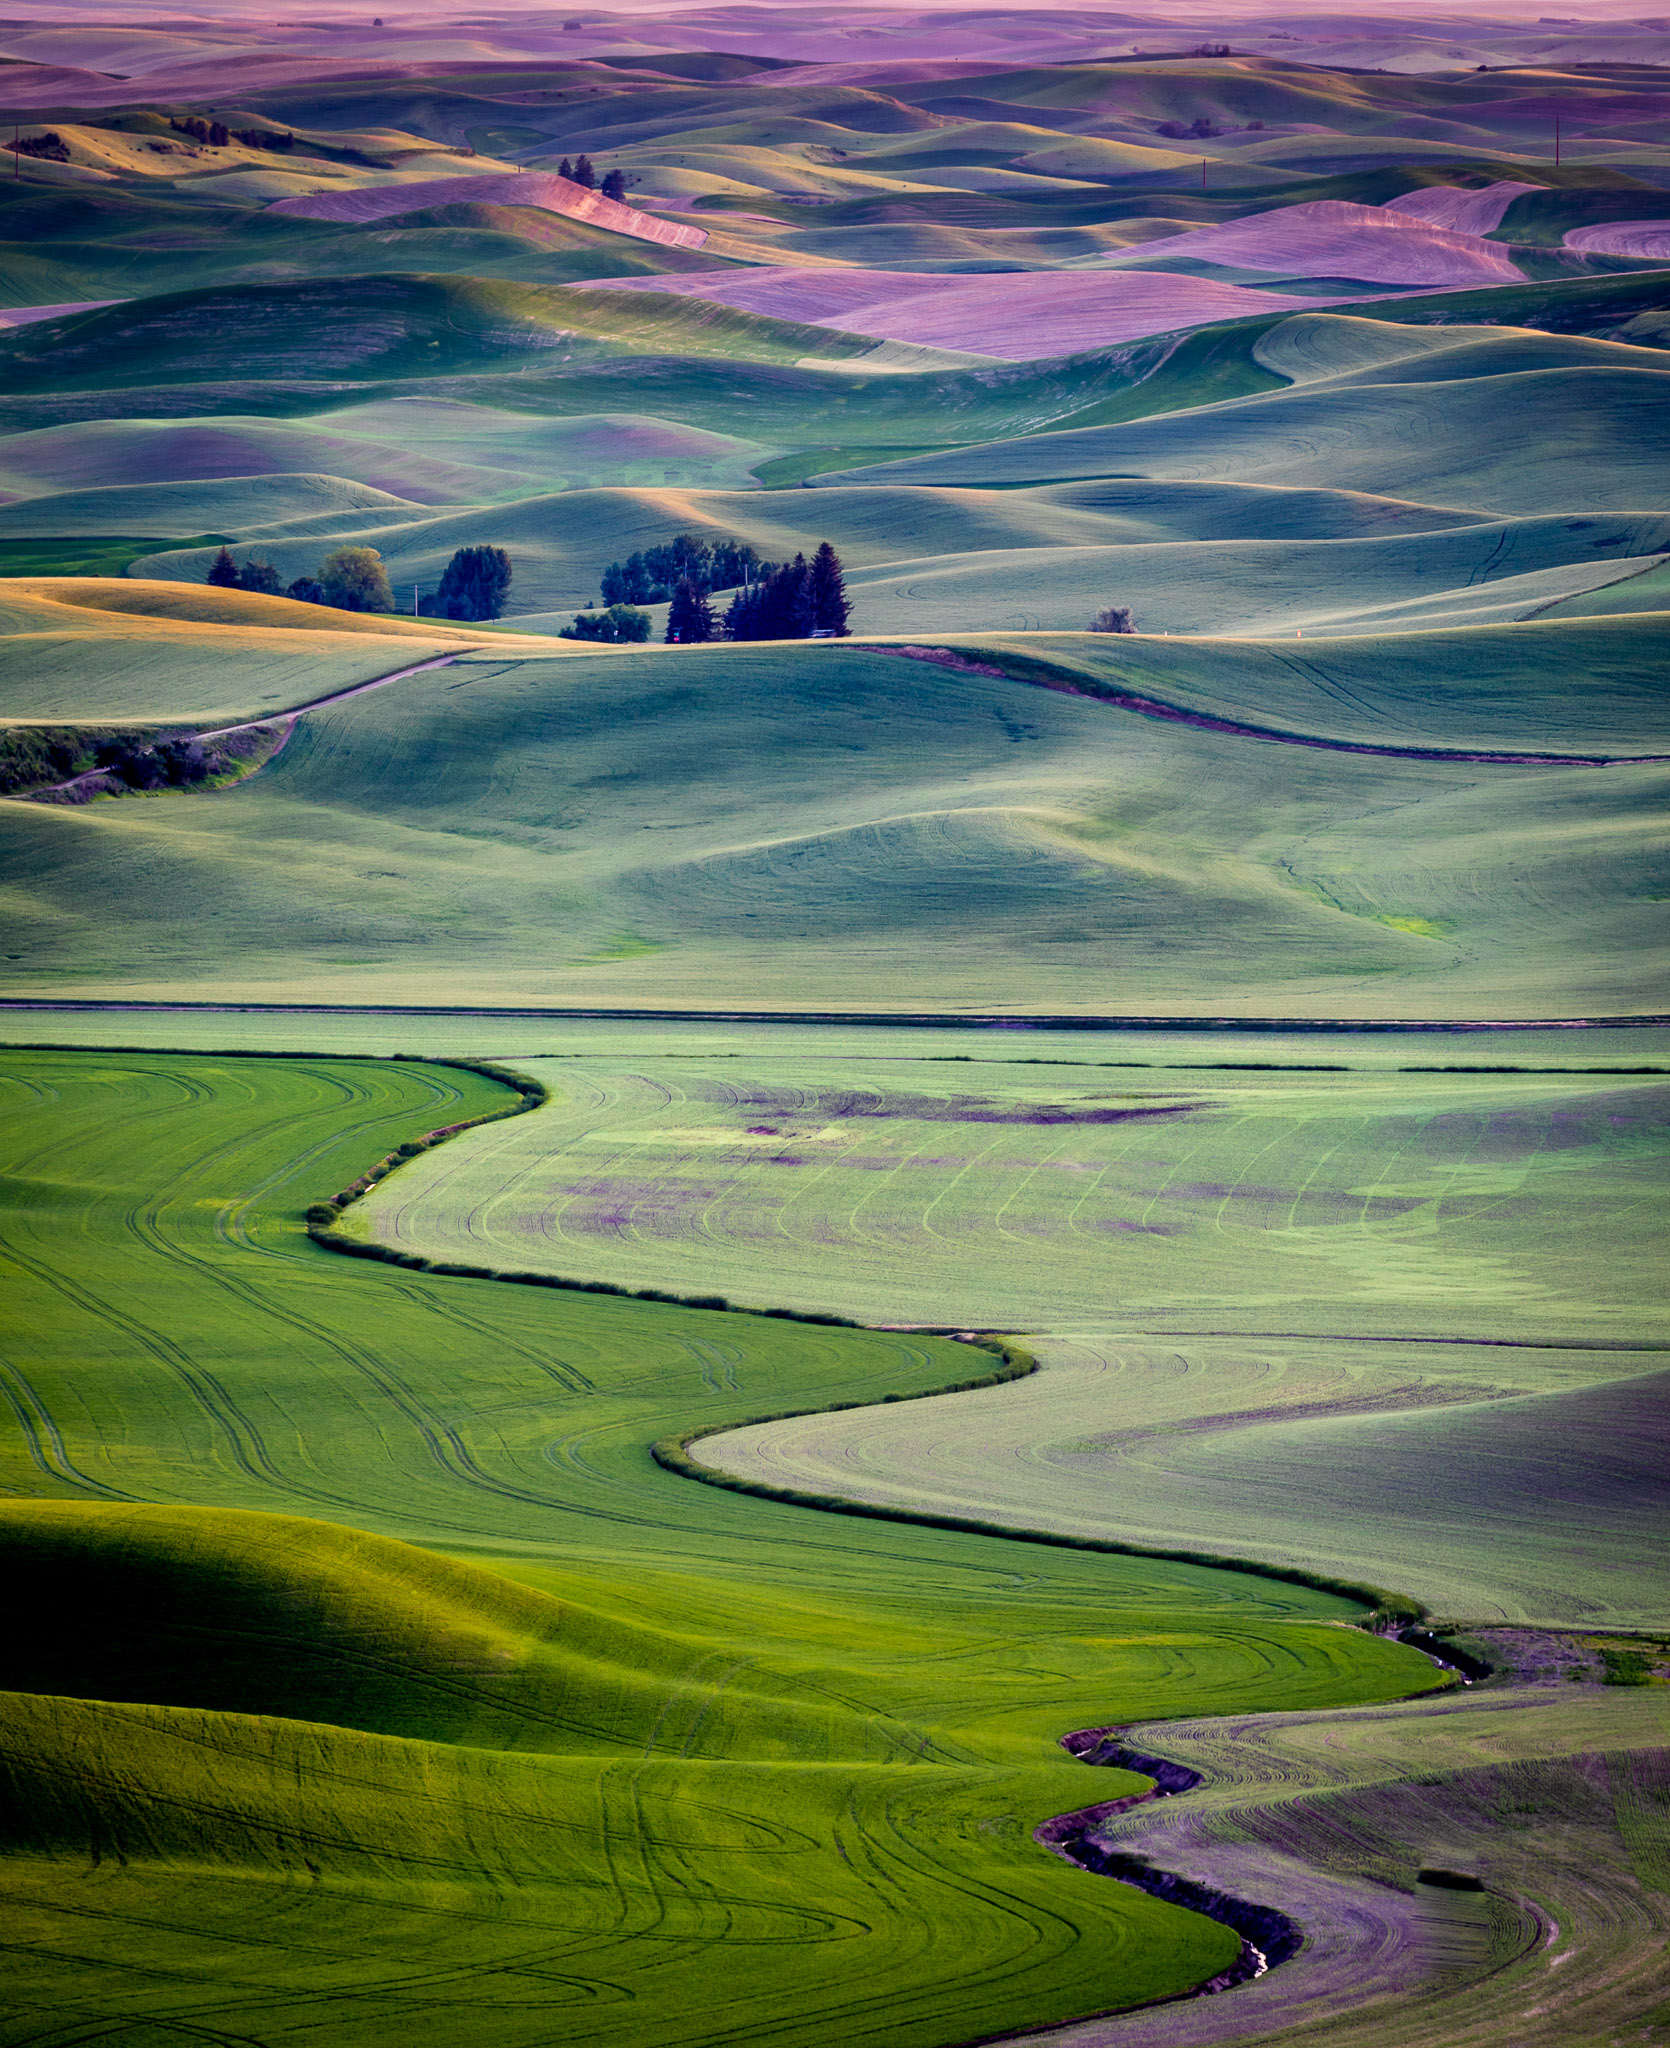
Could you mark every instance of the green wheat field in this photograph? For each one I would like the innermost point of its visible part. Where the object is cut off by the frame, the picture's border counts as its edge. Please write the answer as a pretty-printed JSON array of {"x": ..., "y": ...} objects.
[{"x": 921, "y": 1317}]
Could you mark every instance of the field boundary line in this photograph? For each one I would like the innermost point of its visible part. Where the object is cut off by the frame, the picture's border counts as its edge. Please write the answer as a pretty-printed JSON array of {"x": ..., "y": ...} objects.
[
  {"x": 903, "y": 1020},
  {"x": 1073, "y": 683},
  {"x": 1388, "y": 1610}
]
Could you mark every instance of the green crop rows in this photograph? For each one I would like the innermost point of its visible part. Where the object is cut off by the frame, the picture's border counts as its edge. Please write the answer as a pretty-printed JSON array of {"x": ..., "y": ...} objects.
[{"x": 642, "y": 1725}]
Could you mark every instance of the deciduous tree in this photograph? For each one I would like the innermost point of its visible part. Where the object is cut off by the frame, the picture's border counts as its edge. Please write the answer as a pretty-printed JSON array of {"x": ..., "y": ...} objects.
[{"x": 356, "y": 581}]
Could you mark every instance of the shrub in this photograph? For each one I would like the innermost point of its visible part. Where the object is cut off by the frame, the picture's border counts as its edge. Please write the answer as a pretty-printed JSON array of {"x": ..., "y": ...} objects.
[
  {"x": 1113, "y": 618},
  {"x": 355, "y": 580},
  {"x": 261, "y": 577},
  {"x": 50, "y": 147},
  {"x": 620, "y": 622},
  {"x": 1626, "y": 1667},
  {"x": 223, "y": 571}
]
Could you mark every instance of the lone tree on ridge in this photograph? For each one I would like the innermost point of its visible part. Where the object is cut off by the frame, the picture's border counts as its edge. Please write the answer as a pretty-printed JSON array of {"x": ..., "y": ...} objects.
[
  {"x": 1113, "y": 618},
  {"x": 223, "y": 571},
  {"x": 614, "y": 186}
]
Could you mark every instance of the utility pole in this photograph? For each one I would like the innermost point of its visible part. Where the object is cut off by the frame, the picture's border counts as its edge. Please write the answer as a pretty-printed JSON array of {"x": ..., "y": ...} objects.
[
  {"x": 1203, "y": 174},
  {"x": 414, "y": 601},
  {"x": 1556, "y": 142}
]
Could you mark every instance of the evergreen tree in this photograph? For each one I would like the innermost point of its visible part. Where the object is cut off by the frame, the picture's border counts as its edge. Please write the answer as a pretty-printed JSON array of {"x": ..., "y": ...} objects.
[
  {"x": 474, "y": 584},
  {"x": 740, "y": 614},
  {"x": 223, "y": 571},
  {"x": 690, "y": 616},
  {"x": 565, "y": 170},
  {"x": 356, "y": 581},
  {"x": 583, "y": 173},
  {"x": 786, "y": 603},
  {"x": 614, "y": 186},
  {"x": 218, "y": 136},
  {"x": 828, "y": 593}
]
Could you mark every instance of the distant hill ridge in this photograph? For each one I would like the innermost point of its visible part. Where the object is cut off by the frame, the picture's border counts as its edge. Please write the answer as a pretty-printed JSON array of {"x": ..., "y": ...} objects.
[{"x": 543, "y": 189}]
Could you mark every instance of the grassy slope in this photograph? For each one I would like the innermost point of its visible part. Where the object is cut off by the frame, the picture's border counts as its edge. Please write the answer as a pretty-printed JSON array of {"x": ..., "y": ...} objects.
[
  {"x": 379, "y": 327},
  {"x": 833, "y": 826},
  {"x": 1459, "y": 440},
  {"x": 722, "y": 1690},
  {"x": 561, "y": 541},
  {"x": 1494, "y": 571},
  {"x": 1327, "y": 1208},
  {"x": 101, "y": 648},
  {"x": 440, "y": 450},
  {"x": 1487, "y": 1206}
]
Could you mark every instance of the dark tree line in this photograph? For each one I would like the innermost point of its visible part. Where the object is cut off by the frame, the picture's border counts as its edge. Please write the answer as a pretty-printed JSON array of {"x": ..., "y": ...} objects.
[
  {"x": 584, "y": 172},
  {"x": 652, "y": 576},
  {"x": 796, "y": 600},
  {"x": 474, "y": 584},
  {"x": 800, "y": 601}
]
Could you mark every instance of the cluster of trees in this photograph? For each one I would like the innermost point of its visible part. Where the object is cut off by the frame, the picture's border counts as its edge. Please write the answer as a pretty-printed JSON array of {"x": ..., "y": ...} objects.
[
  {"x": 351, "y": 579},
  {"x": 584, "y": 172},
  {"x": 51, "y": 147},
  {"x": 652, "y": 576},
  {"x": 168, "y": 764},
  {"x": 800, "y": 601},
  {"x": 796, "y": 600},
  {"x": 217, "y": 135},
  {"x": 1200, "y": 129},
  {"x": 214, "y": 133},
  {"x": 473, "y": 586}
]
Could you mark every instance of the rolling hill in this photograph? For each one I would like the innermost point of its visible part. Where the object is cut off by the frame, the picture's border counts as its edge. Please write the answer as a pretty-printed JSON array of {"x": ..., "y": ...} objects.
[
  {"x": 819, "y": 823},
  {"x": 1260, "y": 1012}
]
